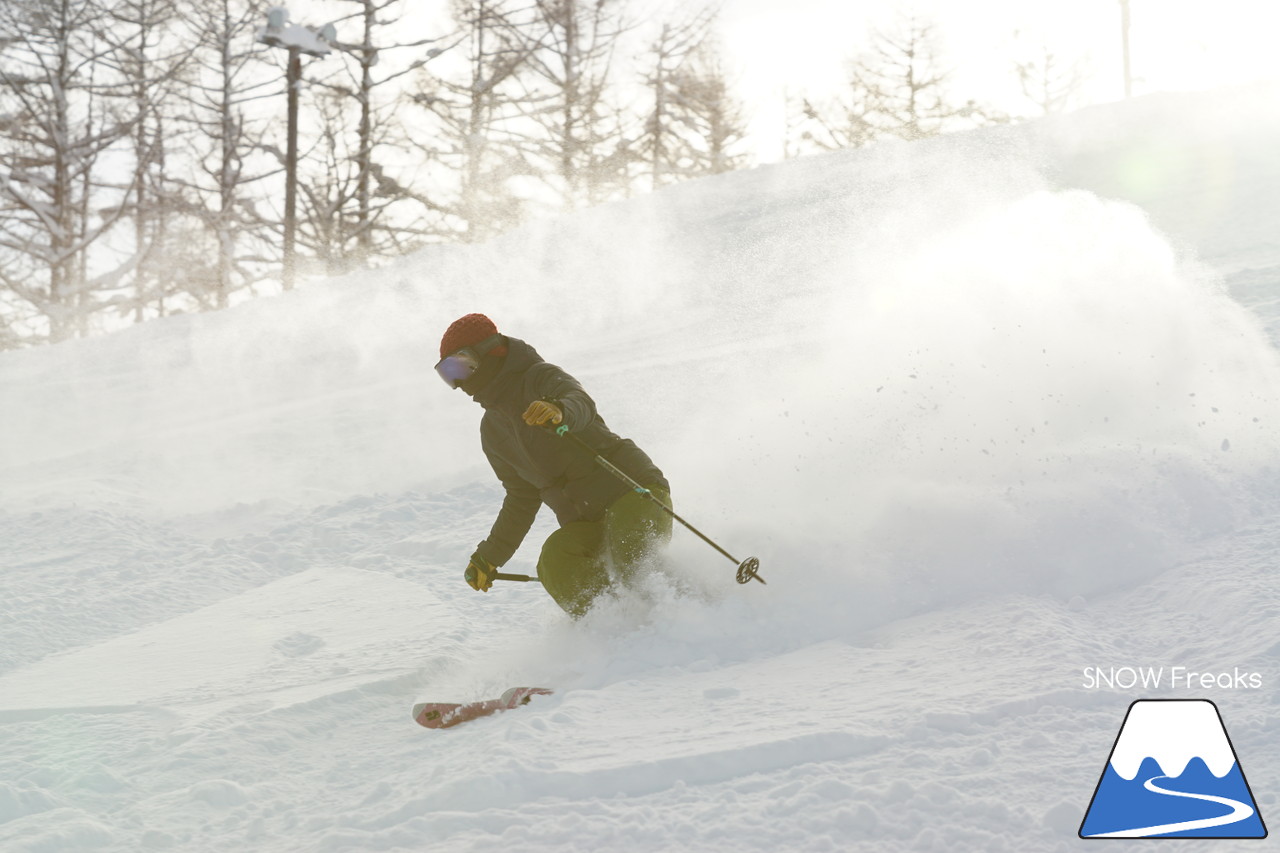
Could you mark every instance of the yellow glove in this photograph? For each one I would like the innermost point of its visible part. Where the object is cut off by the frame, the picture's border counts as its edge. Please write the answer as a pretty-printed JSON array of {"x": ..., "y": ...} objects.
[
  {"x": 480, "y": 573},
  {"x": 540, "y": 411}
]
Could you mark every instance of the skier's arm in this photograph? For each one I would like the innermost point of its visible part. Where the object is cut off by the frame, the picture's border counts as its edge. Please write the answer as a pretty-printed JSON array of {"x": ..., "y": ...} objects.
[
  {"x": 519, "y": 509},
  {"x": 558, "y": 387}
]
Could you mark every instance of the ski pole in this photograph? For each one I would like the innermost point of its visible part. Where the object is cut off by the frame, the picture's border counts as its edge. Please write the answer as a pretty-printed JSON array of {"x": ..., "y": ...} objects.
[
  {"x": 747, "y": 569},
  {"x": 502, "y": 576}
]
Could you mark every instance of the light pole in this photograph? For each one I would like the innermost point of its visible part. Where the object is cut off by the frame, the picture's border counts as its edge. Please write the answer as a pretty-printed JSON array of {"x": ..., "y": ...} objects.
[
  {"x": 1124, "y": 36},
  {"x": 298, "y": 40}
]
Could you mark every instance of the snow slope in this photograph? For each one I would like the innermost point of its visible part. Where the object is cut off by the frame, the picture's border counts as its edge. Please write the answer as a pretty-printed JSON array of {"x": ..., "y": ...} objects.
[{"x": 990, "y": 409}]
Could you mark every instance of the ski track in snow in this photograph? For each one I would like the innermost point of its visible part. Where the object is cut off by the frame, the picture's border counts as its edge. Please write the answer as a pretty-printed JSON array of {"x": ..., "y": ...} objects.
[{"x": 235, "y": 670}]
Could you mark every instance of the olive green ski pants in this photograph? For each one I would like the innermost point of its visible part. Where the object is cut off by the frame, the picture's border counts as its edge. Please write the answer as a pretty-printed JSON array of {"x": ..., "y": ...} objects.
[{"x": 584, "y": 558}]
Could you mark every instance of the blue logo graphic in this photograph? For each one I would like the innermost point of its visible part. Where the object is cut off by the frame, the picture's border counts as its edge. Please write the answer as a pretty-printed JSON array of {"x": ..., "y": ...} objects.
[{"x": 1173, "y": 773}]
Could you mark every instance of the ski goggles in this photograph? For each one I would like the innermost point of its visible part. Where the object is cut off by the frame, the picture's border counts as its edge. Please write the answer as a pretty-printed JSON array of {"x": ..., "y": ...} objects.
[{"x": 457, "y": 368}]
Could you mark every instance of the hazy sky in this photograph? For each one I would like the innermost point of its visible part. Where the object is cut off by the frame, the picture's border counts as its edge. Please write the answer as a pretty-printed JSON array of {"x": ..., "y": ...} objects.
[
  {"x": 802, "y": 46},
  {"x": 1176, "y": 44}
]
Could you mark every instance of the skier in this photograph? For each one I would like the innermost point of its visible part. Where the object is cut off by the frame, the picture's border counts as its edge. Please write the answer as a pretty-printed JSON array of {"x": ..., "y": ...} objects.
[{"x": 607, "y": 530}]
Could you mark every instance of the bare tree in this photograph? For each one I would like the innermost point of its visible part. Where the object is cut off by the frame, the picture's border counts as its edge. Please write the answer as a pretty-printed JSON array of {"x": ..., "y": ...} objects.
[
  {"x": 906, "y": 86},
  {"x": 331, "y": 185},
  {"x": 846, "y": 124},
  {"x": 716, "y": 115},
  {"x": 897, "y": 89},
  {"x": 847, "y": 121},
  {"x": 583, "y": 139},
  {"x": 151, "y": 58},
  {"x": 710, "y": 119},
  {"x": 476, "y": 135},
  {"x": 662, "y": 143},
  {"x": 375, "y": 98},
  {"x": 341, "y": 231},
  {"x": 1050, "y": 82},
  {"x": 795, "y": 115},
  {"x": 223, "y": 185},
  {"x": 56, "y": 127}
]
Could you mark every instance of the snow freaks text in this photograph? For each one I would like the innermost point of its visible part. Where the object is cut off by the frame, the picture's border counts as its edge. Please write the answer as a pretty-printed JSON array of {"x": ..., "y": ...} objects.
[{"x": 1172, "y": 677}]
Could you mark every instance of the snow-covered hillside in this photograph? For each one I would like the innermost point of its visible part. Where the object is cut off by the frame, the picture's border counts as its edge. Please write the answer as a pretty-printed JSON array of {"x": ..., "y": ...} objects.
[{"x": 991, "y": 409}]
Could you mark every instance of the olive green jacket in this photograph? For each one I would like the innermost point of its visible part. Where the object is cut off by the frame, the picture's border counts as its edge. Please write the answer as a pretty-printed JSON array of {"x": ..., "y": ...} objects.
[{"x": 538, "y": 467}]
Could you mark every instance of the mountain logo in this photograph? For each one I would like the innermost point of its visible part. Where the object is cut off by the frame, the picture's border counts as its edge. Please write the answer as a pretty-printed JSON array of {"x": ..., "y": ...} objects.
[{"x": 1173, "y": 773}]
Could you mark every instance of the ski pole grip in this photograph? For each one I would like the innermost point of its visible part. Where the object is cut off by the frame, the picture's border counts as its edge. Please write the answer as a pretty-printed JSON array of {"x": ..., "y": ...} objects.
[{"x": 501, "y": 576}]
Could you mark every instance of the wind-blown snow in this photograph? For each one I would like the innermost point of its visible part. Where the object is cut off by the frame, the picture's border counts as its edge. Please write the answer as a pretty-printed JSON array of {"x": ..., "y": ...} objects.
[{"x": 990, "y": 409}]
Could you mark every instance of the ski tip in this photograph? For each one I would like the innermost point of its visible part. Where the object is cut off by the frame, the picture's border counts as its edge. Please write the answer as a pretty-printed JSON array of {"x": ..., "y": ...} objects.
[{"x": 431, "y": 715}]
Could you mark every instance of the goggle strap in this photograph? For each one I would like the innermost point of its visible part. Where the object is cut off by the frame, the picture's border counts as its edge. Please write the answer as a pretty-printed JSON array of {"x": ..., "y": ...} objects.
[{"x": 482, "y": 349}]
